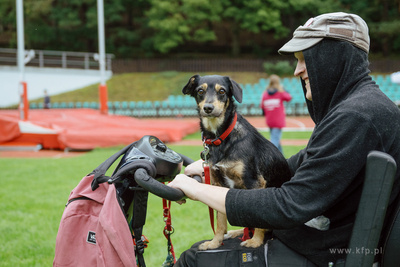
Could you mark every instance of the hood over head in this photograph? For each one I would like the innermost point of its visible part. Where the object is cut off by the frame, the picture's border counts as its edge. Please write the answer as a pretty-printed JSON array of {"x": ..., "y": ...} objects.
[{"x": 335, "y": 70}]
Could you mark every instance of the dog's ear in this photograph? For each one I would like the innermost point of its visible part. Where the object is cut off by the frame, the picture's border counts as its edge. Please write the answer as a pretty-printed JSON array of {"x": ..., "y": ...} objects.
[
  {"x": 236, "y": 90},
  {"x": 191, "y": 85}
]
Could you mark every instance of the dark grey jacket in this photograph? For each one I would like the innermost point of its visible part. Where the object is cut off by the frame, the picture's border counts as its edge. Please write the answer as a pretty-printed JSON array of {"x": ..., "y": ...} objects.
[{"x": 352, "y": 117}]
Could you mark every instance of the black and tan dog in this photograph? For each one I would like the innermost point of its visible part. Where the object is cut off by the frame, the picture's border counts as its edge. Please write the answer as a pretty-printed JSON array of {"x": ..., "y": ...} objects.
[{"x": 242, "y": 158}]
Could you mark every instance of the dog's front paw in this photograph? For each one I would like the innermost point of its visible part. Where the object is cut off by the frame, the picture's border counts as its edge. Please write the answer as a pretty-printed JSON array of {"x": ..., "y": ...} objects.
[
  {"x": 233, "y": 234},
  {"x": 252, "y": 243},
  {"x": 213, "y": 244}
]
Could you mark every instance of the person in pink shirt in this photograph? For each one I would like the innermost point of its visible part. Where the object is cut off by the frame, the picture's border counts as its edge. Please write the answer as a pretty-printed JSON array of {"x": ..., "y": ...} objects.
[{"x": 274, "y": 110}]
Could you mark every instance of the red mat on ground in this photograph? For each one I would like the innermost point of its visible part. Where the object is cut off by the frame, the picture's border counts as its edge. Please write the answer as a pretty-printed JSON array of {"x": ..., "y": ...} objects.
[{"x": 86, "y": 128}]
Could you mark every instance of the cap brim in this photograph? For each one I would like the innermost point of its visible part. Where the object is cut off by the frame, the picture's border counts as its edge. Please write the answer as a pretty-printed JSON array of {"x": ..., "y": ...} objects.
[{"x": 298, "y": 44}]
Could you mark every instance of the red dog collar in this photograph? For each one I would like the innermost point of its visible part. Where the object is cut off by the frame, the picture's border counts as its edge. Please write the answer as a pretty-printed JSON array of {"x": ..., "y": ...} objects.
[{"x": 217, "y": 141}]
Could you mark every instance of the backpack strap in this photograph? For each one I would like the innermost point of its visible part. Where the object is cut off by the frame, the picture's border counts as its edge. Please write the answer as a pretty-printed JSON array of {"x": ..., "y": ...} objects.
[
  {"x": 138, "y": 220},
  {"x": 99, "y": 172}
]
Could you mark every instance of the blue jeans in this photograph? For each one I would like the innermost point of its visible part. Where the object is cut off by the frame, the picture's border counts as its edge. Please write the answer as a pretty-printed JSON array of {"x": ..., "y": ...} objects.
[{"x": 276, "y": 135}]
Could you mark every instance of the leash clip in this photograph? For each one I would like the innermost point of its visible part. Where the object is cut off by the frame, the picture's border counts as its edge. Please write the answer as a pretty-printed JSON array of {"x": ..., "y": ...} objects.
[{"x": 205, "y": 154}]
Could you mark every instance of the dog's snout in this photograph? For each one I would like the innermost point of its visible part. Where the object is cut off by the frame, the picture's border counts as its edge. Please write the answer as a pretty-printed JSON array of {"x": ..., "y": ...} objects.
[{"x": 208, "y": 108}]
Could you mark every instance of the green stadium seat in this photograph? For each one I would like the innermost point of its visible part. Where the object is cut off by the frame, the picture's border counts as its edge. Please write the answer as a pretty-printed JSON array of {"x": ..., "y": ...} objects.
[
  {"x": 132, "y": 105},
  {"x": 135, "y": 113},
  {"x": 286, "y": 83},
  {"x": 243, "y": 110},
  {"x": 171, "y": 98},
  {"x": 94, "y": 105},
  {"x": 156, "y": 104},
  {"x": 172, "y": 104},
  {"x": 379, "y": 79},
  {"x": 164, "y": 104},
  {"x": 263, "y": 82},
  {"x": 168, "y": 112},
  {"x": 124, "y": 104},
  {"x": 118, "y": 112},
  {"x": 153, "y": 112},
  {"x": 248, "y": 87},
  {"x": 387, "y": 79},
  {"x": 139, "y": 104},
  {"x": 161, "y": 112}
]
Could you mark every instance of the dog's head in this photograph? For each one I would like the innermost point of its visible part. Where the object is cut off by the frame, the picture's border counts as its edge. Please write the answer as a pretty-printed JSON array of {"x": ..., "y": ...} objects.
[{"x": 213, "y": 93}]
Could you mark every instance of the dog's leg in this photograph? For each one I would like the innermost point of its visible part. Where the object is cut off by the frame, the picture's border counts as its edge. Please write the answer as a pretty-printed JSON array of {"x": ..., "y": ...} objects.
[
  {"x": 219, "y": 233},
  {"x": 234, "y": 233},
  {"x": 257, "y": 239}
]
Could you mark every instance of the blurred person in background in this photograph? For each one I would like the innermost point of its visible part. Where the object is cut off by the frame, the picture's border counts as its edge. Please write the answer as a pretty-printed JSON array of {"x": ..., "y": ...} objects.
[
  {"x": 274, "y": 110},
  {"x": 46, "y": 103}
]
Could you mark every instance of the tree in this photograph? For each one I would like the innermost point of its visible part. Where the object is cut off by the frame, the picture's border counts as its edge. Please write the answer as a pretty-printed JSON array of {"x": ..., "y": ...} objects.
[
  {"x": 8, "y": 23},
  {"x": 256, "y": 16},
  {"x": 149, "y": 27},
  {"x": 69, "y": 25},
  {"x": 297, "y": 12},
  {"x": 177, "y": 21},
  {"x": 130, "y": 37},
  {"x": 383, "y": 19}
]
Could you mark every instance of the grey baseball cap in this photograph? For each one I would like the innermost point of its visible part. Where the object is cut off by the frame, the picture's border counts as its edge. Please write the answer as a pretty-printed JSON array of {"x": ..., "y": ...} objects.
[{"x": 339, "y": 25}]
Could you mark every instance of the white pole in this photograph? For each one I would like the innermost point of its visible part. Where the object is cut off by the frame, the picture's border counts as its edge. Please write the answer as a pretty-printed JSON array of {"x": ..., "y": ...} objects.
[
  {"x": 22, "y": 87},
  {"x": 20, "y": 38},
  {"x": 103, "y": 95},
  {"x": 102, "y": 49}
]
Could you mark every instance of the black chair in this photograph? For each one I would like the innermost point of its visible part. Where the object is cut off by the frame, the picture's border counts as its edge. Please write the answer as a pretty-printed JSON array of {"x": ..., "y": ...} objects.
[{"x": 367, "y": 230}]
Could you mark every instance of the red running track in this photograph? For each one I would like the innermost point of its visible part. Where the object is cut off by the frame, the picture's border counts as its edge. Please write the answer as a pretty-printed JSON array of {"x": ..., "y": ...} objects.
[{"x": 85, "y": 129}]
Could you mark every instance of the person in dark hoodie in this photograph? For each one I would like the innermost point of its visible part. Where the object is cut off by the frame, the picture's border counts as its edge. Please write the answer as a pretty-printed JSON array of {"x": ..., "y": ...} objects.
[
  {"x": 274, "y": 110},
  {"x": 312, "y": 214}
]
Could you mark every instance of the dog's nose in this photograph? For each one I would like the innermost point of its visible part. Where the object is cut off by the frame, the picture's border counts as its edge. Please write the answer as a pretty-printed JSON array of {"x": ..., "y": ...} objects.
[{"x": 208, "y": 108}]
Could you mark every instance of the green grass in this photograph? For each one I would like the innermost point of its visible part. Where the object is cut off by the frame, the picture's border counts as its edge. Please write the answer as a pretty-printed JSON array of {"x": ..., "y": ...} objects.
[{"x": 34, "y": 192}]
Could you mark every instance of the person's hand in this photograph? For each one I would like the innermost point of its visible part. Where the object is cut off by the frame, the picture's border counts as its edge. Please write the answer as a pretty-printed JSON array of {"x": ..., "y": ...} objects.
[
  {"x": 187, "y": 184},
  {"x": 196, "y": 168}
]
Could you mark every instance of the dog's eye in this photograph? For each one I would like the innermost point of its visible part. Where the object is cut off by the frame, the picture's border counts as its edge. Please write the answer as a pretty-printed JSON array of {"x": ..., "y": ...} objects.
[
  {"x": 222, "y": 91},
  {"x": 200, "y": 91}
]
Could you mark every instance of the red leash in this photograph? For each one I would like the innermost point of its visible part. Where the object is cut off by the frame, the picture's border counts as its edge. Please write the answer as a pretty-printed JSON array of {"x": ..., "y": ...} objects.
[
  {"x": 168, "y": 229},
  {"x": 205, "y": 156},
  {"x": 247, "y": 233},
  {"x": 208, "y": 181}
]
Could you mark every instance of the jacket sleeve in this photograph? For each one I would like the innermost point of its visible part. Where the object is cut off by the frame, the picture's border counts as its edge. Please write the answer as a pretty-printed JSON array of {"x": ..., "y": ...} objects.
[
  {"x": 322, "y": 172},
  {"x": 295, "y": 161},
  {"x": 286, "y": 96}
]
